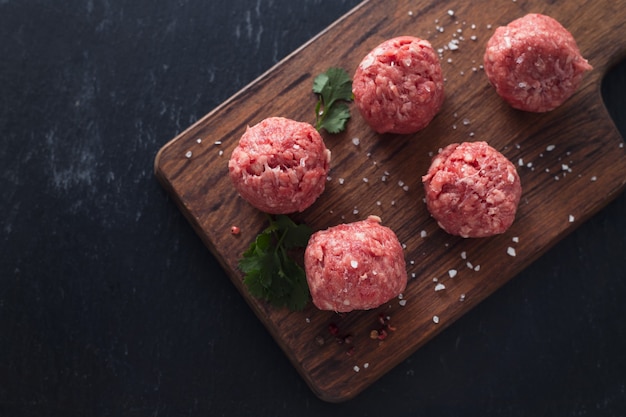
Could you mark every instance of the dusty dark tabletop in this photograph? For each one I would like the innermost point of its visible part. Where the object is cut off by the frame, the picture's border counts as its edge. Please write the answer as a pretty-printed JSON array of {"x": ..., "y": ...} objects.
[{"x": 110, "y": 305}]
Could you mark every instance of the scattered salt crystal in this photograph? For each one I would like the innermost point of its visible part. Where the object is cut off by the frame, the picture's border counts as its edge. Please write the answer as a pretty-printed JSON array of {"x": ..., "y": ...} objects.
[
  {"x": 473, "y": 37},
  {"x": 440, "y": 287},
  {"x": 511, "y": 251},
  {"x": 199, "y": 140},
  {"x": 365, "y": 179},
  {"x": 402, "y": 303},
  {"x": 356, "y": 141},
  {"x": 218, "y": 142},
  {"x": 423, "y": 234},
  {"x": 463, "y": 255},
  {"x": 550, "y": 148},
  {"x": 436, "y": 319},
  {"x": 356, "y": 368},
  {"x": 594, "y": 178},
  {"x": 489, "y": 26},
  {"x": 354, "y": 264},
  {"x": 466, "y": 121},
  {"x": 450, "y": 12},
  {"x": 462, "y": 297},
  {"x": 405, "y": 188},
  {"x": 341, "y": 181},
  {"x": 520, "y": 162},
  {"x": 571, "y": 218},
  {"x": 477, "y": 268},
  {"x": 469, "y": 265},
  {"x": 453, "y": 46},
  {"x": 355, "y": 211},
  {"x": 188, "y": 154},
  {"x": 413, "y": 274},
  {"x": 410, "y": 12},
  {"x": 220, "y": 153},
  {"x": 471, "y": 134},
  {"x": 452, "y": 273},
  {"x": 565, "y": 167},
  {"x": 308, "y": 319},
  {"x": 515, "y": 239},
  {"x": 435, "y": 279}
]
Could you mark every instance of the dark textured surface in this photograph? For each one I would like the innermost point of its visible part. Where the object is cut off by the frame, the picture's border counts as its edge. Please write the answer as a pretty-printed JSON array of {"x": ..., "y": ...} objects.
[{"x": 110, "y": 304}]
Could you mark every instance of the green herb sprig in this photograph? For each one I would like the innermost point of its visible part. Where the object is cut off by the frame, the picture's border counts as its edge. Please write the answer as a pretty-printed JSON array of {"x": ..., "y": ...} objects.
[
  {"x": 270, "y": 273},
  {"x": 334, "y": 89}
]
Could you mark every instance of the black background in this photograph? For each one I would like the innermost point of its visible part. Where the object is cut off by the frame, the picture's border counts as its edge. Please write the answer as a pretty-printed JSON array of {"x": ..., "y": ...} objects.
[{"x": 111, "y": 306}]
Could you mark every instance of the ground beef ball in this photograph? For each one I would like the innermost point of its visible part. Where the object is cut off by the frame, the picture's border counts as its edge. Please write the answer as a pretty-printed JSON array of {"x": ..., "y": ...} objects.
[
  {"x": 472, "y": 190},
  {"x": 280, "y": 165},
  {"x": 354, "y": 266},
  {"x": 534, "y": 63},
  {"x": 398, "y": 87}
]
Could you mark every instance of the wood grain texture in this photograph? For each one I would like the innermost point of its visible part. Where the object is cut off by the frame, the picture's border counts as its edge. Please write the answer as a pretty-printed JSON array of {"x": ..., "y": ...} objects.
[{"x": 562, "y": 187}]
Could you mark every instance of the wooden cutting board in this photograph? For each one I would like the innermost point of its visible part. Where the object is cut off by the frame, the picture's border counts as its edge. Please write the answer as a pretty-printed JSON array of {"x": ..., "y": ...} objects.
[{"x": 571, "y": 161}]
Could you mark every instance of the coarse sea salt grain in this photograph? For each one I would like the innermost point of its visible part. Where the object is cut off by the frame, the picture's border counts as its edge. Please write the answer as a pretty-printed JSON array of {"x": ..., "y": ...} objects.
[
  {"x": 188, "y": 154},
  {"x": 356, "y": 141},
  {"x": 356, "y": 368},
  {"x": 571, "y": 218},
  {"x": 435, "y": 319},
  {"x": 440, "y": 287},
  {"x": 423, "y": 234},
  {"x": 515, "y": 239},
  {"x": 511, "y": 251},
  {"x": 402, "y": 303},
  {"x": 463, "y": 255},
  {"x": 550, "y": 148},
  {"x": 452, "y": 273}
]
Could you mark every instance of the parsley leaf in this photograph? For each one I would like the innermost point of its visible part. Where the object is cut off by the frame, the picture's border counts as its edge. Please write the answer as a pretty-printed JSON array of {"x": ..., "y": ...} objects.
[
  {"x": 270, "y": 273},
  {"x": 334, "y": 88}
]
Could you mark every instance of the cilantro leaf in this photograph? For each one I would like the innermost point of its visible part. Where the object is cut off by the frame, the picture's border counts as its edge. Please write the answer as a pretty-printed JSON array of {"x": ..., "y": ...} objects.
[
  {"x": 270, "y": 273},
  {"x": 334, "y": 88},
  {"x": 336, "y": 118}
]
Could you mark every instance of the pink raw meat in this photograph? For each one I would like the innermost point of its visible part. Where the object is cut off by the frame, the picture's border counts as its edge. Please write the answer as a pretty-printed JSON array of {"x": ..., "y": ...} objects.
[
  {"x": 534, "y": 63},
  {"x": 280, "y": 165},
  {"x": 354, "y": 266}
]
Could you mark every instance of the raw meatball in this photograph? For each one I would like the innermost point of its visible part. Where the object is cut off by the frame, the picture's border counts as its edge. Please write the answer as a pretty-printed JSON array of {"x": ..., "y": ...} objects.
[
  {"x": 534, "y": 63},
  {"x": 398, "y": 87},
  {"x": 472, "y": 190},
  {"x": 354, "y": 266},
  {"x": 280, "y": 165}
]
